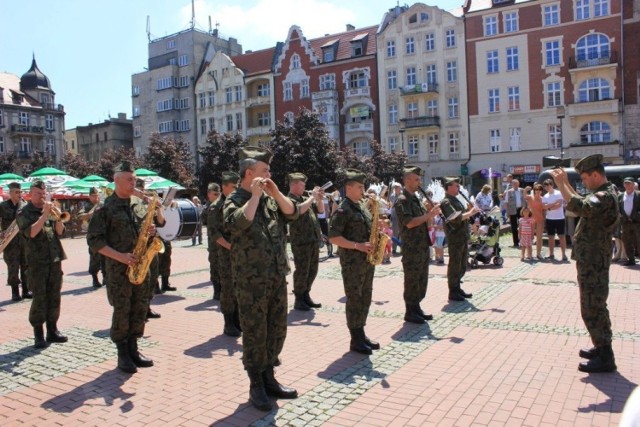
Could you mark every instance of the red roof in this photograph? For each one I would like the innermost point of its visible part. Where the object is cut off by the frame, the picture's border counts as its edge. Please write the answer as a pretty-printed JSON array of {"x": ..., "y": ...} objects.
[
  {"x": 257, "y": 62},
  {"x": 344, "y": 42}
]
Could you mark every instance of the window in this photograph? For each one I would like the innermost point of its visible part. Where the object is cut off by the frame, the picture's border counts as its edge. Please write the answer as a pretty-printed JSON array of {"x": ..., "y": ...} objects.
[
  {"x": 600, "y": 7},
  {"x": 361, "y": 148},
  {"x": 288, "y": 91},
  {"x": 163, "y": 105},
  {"x": 594, "y": 90},
  {"x": 555, "y": 137},
  {"x": 327, "y": 82},
  {"x": 328, "y": 54},
  {"x": 264, "y": 119},
  {"x": 430, "y": 42},
  {"x": 412, "y": 109},
  {"x": 356, "y": 48},
  {"x": 432, "y": 108},
  {"x": 494, "y": 100},
  {"x": 289, "y": 118},
  {"x": 392, "y": 79},
  {"x": 264, "y": 89},
  {"x": 164, "y": 83},
  {"x": 450, "y": 37},
  {"x": 411, "y": 76},
  {"x": 173, "y": 61},
  {"x": 171, "y": 44},
  {"x": 592, "y": 48},
  {"x": 357, "y": 79},
  {"x": 135, "y": 90},
  {"x": 393, "y": 114},
  {"x": 410, "y": 45},
  {"x": 1, "y": 118},
  {"x": 393, "y": 143},
  {"x": 229, "y": 122},
  {"x": 510, "y": 22},
  {"x": 202, "y": 100},
  {"x": 595, "y": 132},
  {"x": 295, "y": 62},
  {"x": 304, "y": 88},
  {"x": 165, "y": 127},
  {"x": 514, "y": 98},
  {"x": 514, "y": 139},
  {"x": 228, "y": 95},
  {"x": 552, "y": 52},
  {"x": 492, "y": 61},
  {"x": 24, "y": 118},
  {"x": 238, "y": 90},
  {"x": 513, "y": 61},
  {"x": 551, "y": 15},
  {"x": 51, "y": 146},
  {"x": 494, "y": 140},
  {"x": 432, "y": 74},
  {"x": 454, "y": 142},
  {"x": 137, "y": 132},
  {"x": 203, "y": 126},
  {"x": 185, "y": 126},
  {"x": 453, "y": 108},
  {"x": 424, "y": 17},
  {"x": 452, "y": 71},
  {"x": 212, "y": 98},
  {"x": 414, "y": 145},
  {"x": 554, "y": 90},
  {"x": 25, "y": 144},
  {"x": 48, "y": 122},
  {"x": 184, "y": 81},
  {"x": 433, "y": 144},
  {"x": 212, "y": 124},
  {"x": 2, "y": 144},
  {"x": 183, "y": 60},
  {"x": 490, "y": 25},
  {"x": 238, "y": 121},
  {"x": 184, "y": 104},
  {"x": 391, "y": 48},
  {"x": 582, "y": 9}
]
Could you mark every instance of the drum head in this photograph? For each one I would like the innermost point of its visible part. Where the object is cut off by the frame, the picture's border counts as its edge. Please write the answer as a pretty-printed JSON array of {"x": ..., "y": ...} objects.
[
  {"x": 173, "y": 221},
  {"x": 182, "y": 220}
]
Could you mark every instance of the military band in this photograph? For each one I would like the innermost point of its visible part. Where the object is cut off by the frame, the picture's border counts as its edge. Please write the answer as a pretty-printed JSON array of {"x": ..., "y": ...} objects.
[
  {"x": 96, "y": 260},
  {"x": 15, "y": 251}
]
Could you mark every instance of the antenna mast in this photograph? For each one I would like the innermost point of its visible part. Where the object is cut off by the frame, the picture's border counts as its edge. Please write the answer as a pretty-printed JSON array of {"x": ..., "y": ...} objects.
[
  {"x": 193, "y": 14},
  {"x": 149, "y": 28}
]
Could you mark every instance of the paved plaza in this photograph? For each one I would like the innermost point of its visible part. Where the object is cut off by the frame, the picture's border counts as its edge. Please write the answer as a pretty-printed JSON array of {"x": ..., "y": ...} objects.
[{"x": 508, "y": 356}]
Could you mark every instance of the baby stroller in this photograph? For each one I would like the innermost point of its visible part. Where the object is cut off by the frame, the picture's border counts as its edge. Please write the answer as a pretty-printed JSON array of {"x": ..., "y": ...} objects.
[{"x": 484, "y": 244}]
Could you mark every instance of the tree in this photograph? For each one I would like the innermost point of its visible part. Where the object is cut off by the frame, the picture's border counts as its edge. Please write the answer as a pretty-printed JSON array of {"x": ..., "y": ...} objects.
[
  {"x": 7, "y": 162},
  {"x": 385, "y": 167},
  {"x": 348, "y": 159},
  {"x": 110, "y": 158},
  {"x": 171, "y": 158},
  {"x": 38, "y": 161},
  {"x": 303, "y": 146},
  {"x": 219, "y": 154},
  {"x": 78, "y": 166}
]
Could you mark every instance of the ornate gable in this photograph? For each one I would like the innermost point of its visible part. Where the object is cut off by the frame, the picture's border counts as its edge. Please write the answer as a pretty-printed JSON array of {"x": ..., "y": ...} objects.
[{"x": 295, "y": 33}]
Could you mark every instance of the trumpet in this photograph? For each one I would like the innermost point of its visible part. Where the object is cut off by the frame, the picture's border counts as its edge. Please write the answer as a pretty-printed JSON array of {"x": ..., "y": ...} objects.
[{"x": 57, "y": 215}]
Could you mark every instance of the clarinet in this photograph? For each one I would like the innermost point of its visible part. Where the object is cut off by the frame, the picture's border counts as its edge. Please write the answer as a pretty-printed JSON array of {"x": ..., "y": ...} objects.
[
  {"x": 481, "y": 214},
  {"x": 442, "y": 217}
]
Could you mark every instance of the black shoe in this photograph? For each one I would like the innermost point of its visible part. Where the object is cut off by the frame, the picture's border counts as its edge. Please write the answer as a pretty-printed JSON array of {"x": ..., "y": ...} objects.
[
  {"x": 603, "y": 362},
  {"x": 299, "y": 304},
  {"x": 54, "y": 335},
  {"x": 455, "y": 297},
  {"x": 230, "y": 326},
  {"x": 39, "y": 341},
  {"x": 375, "y": 345},
  {"x": 125, "y": 363},
  {"x": 138, "y": 358},
  {"x": 153, "y": 315},
  {"x": 26, "y": 293},
  {"x": 310, "y": 302},
  {"x": 96, "y": 282},
  {"x": 588, "y": 353},
  {"x": 358, "y": 343},
  {"x": 217, "y": 290},
  {"x": 168, "y": 288},
  {"x": 464, "y": 294},
  {"x": 629, "y": 263},
  {"x": 257, "y": 393},
  {"x": 274, "y": 388},
  {"x": 157, "y": 290},
  {"x": 15, "y": 294},
  {"x": 412, "y": 315}
]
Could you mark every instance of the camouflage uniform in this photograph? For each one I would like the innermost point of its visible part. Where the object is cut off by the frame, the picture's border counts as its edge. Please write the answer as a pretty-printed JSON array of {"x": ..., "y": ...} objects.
[
  {"x": 96, "y": 260},
  {"x": 211, "y": 211},
  {"x": 415, "y": 248},
  {"x": 44, "y": 257},
  {"x": 15, "y": 253},
  {"x": 592, "y": 250},
  {"x": 221, "y": 256},
  {"x": 115, "y": 225},
  {"x": 353, "y": 222},
  {"x": 259, "y": 261},
  {"x": 457, "y": 233},
  {"x": 304, "y": 234}
]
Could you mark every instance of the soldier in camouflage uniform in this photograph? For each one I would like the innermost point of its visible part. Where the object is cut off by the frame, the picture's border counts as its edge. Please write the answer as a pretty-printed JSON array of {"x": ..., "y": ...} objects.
[
  {"x": 457, "y": 233},
  {"x": 254, "y": 215},
  {"x": 96, "y": 260},
  {"x": 113, "y": 231},
  {"x": 350, "y": 230},
  {"x": 44, "y": 257},
  {"x": 305, "y": 235},
  {"x": 14, "y": 253},
  {"x": 213, "y": 196},
  {"x": 414, "y": 234},
  {"x": 219, "y": 241},
  {"x": 592, "y": 250}
]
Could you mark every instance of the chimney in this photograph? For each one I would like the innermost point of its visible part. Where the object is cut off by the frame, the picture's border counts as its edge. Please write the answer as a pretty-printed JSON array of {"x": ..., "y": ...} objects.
[
  {"x": 122, "y": 116},
  {"x": 350, "y": 27}
]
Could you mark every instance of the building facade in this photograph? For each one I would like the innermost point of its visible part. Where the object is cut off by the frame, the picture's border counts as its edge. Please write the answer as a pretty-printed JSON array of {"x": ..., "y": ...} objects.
[
  {"x": 421, "y": 75},
  {"x": 545, "y": 78},
  {"x": 163, "y": 96},
  {"x": 94, "y": 139},
  {"x": 30, "y": 120},
  {"x": 631, "y": 61}
]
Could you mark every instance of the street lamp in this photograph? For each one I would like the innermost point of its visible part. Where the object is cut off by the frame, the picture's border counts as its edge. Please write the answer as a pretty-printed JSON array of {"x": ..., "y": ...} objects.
[
  {"x": 401, "y": 130},
  {"x": 560, "y": 115}
]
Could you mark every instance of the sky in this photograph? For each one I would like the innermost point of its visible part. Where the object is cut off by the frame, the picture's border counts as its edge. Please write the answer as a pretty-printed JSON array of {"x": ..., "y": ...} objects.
[{"x": 90, "y": 48}]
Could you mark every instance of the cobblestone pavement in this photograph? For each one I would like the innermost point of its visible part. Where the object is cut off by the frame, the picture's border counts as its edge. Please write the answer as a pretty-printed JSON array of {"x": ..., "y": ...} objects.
[{"x": 508, "y": 356}]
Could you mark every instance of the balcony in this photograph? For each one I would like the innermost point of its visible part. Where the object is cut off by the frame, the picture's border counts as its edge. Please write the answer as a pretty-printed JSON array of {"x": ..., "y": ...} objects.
[
  {"x": 52, "y": 106},
  {"x": 607, "y": 106},
  {"x": 608, "y": 149},
  {"x": 258, "y": 131},
  {"x": 454, "y": 156},
  {"x": 359, "y": 127},
  {"x": 24, "y": 154},
  {"x": 434, "y": 157},
  {"x": 421, "y": 122},
  {"x": 27, "y": 130},
  {"x": 357, "y": 92},
  {"x": 419, "y": 88},
  {"x": 612, "y": 58},
  {"x": 258, "y": 101},
  {"x": 324, "y": 95}
]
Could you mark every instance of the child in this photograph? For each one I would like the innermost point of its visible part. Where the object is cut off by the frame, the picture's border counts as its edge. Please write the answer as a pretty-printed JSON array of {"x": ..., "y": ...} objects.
[
  {"x": 525, "y": 233},
  {"x": 438, "y": 239},
  {"x": 385, "y": 224}
]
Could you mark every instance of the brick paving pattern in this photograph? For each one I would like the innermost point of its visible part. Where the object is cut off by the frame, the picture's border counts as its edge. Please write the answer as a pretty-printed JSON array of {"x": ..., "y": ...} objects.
[{"x": 506, "y": 357}]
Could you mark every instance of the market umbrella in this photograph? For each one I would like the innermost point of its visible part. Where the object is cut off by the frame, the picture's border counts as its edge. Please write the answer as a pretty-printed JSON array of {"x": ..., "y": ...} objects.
[
  {"x": 11, "y": 177},
  {"x": 94, "y": 178},
  {"x": 145, "y": 172},
  {"x": 46, "y": 172},
  {"x": 162, "y": 184}
]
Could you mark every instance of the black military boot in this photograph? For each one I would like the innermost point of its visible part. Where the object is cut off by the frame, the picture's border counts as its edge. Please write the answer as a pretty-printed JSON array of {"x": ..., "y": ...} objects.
[
  {"x": 96, "y": 282},
  {"x": 310, "y": 302},
  {"x": 274, "y": 388},
  {"x": 423, "y": 314},
  {"x": 358, "y": 343},
  {"x": 588, "y": 353},
  {"x": 375, "y": 345},
  {"x": 230, "y": 326},
  {"x": 166, "y": 286},
  {"x": 26, "y": 293},
  {"x": 412, "y": 315},
  {"x": 299, "y": 304},
  {"x": 156, "y": 288},
  {"x": 15, "y": 293},
  {"x": 217, "y": 288},
  {"x": 464, "y": 294},
  {"x": 53, "y": 334},
  {"x": 603, "y": 362},
  {"x": 454, "y": 295},
  {"x": 39, "y": 342},
  {"x": 257, "y": 393},
  {"x": 124, "y": 359},
  {"x": 138, "y": 358},
  {"x": 153, "y": 314}
]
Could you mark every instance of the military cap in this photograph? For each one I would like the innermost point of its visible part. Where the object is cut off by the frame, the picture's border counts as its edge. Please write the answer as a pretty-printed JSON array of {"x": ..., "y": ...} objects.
[
  {"x": 450, "y": 180},
  {"x": 13, "y": 186},
  {"x": 213, "y": 187},
  {"x": 38, "y": 183},
  {"x": 629, "y": 179},
  {"x": 124, "y": 166},
  {"x": 230, "y": 177},
  {"x": 355, "y": 175},
  {"x": 93, "y": 190},
  {"x": 588, "y": 163},
  {"x": 408, "y": 169},
  {"x": 256, "y": 153},
  {"x": 297, "y": 176}
]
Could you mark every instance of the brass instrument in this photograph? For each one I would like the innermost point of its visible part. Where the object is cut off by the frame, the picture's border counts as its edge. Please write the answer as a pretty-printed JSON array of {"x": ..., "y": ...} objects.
[
  {"x": 144, "y": 252},
  {"x": 6, "y": 236},
  {"x": 377, "y": 238},
  {"x": 58, "y": 215}
]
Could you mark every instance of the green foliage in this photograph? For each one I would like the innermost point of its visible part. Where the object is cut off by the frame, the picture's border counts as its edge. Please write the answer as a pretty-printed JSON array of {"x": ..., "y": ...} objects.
[
  {"x": 8, "y": 162},
  {"x": 171, "y": 158},
  {"x": 110, "y": 158},
  {"x": 78, "y": 166},
  {"x": 38, "y": 161},
  {"x": 384, "y": 167},
  {"x": 219, "y": 154}
]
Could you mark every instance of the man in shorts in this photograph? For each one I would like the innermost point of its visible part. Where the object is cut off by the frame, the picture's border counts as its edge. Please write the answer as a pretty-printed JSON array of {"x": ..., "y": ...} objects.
[{"x": 553, "y": 206}]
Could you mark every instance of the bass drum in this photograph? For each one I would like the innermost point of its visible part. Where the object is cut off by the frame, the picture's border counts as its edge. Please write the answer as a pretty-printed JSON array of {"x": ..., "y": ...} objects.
[{"x": 181, "y": 220}]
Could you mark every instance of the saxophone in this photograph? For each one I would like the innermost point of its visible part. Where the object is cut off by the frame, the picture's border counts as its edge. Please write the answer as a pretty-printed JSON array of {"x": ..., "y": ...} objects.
[
  {"x": 377, "y": 238},
  {"x": 145, "y": 252}
]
